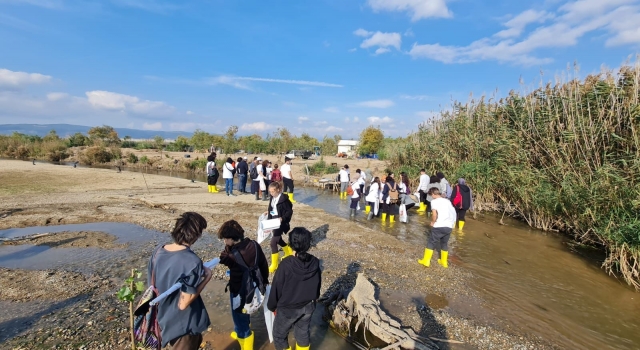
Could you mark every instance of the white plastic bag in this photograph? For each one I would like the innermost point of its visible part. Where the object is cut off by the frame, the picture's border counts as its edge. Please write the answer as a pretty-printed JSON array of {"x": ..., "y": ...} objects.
[
  {"x": 262, "y": 234},
  {"x": 269, "y": 317},
  {"x": 263, "y": 187},
  {"x": 403, "y": 213}
]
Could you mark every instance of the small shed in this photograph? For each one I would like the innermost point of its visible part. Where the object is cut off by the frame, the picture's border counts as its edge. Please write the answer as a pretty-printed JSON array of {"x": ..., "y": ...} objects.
[{"x": 348, "y": 147}]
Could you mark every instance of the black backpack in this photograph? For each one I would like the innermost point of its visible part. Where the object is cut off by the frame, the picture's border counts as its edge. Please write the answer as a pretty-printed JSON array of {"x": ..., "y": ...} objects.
[
  {"x": 254, "y": 172},
  {"x": 253, "y": 288}
]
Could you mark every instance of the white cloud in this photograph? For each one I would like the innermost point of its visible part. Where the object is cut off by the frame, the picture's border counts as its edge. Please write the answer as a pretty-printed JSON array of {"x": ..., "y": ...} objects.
[
  {"x": 415, "y": 97},
  {"x": 331, "y": 110},
  {"x": 190, "y": 113},
  {"x": 356, "y": 119},
  {"x": 303, "y": 119},
  {"x": 238, "y": 82},
  {"x": 378, "y": 120},
  {"x": 617, "y": 18},
  {"x": 418, "y": 9},
  {"x": 375, "y": 104},
  {"x": 333, "y": 129},
  {"x": 320, "y": 123},
  {"x": 12, "y": 80},
  {"x": 113, "y": 101},
  {"x": 190, "y": 126},
  {"x": 409, "y": 32},
  {"x": 353, "y": 50},
  {"x": 382, "y": 50},
  {"x": 381, "y": 39},
  {"x": 257, "y": 126},
  {"x": 152, "y": 126},
  {"x": 363, "y": 33},
  {"x": 56, "y": 96}
]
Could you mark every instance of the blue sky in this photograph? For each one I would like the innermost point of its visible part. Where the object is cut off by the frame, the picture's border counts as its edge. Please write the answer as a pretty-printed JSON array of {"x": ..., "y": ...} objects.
[{"x": 323, "y": 67}]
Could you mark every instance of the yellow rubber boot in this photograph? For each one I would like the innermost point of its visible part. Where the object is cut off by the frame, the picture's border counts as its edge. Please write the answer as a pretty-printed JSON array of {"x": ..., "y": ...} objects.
[
  {"x": 461, "y": 224},
  {"x": 443, "y": 258},
  {"x": 392, "y": 218},
  {"x": 291, "y": 198},
  {"x": 426, "y": 260},
  {"x": 298, "y": 347},
  {"x": 209, "y": 187},
  {"x": 215, "y": 188},
  {"x": 384, "y": 217},
  {"x": 367, "y": 209},
  {"x": 274, "y": 262},
  {"x": 246, "y": 343},
  {"x": 234, "y": 335},
  {"x": 423, "y": 208},
  {"x": 287, "y": 251}
]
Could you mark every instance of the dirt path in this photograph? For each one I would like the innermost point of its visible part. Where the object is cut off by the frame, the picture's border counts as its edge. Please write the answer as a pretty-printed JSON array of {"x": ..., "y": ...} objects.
[{"x": 46, "y": 194}]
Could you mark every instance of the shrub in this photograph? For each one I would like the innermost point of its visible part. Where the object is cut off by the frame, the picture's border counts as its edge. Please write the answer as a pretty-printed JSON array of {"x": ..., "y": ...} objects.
[
  {"x": 144, "y": 160},
  {"x": 132, "y": 158},
  {"x": 96, "y": 155}
]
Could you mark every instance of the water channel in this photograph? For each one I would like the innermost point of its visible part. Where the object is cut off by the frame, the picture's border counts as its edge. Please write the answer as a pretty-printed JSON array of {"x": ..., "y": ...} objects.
[{"x": 528, "y": 280}]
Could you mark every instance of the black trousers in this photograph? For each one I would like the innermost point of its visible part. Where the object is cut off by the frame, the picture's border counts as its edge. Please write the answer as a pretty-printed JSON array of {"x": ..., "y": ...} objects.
[
  {"x": 439, "y": 238},
  {"x": 288, "y": 185},
  {"x": 299, "y": 320},
  {"x": 461, "y": 213},
  {"x": 423, "y": 196}
]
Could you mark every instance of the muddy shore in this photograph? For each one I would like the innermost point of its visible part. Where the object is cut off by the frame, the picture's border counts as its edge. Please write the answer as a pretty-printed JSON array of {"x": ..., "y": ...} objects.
[{"x": 90, "y": 316}]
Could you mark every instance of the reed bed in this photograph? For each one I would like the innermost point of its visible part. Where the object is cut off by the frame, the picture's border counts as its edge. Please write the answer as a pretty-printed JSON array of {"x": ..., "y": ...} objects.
[{"x": 564, "y": 157}]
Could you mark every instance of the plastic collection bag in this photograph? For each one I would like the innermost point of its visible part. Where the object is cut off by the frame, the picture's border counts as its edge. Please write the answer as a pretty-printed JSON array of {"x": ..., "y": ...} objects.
[
  {"x": 403, "y": 213},
  {"x": 263, "y": 234},
  {"x": 269, "y": 317}
]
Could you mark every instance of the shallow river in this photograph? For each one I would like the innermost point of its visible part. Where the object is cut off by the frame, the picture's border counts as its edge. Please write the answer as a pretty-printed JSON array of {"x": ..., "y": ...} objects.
[{"x": 528, "y": 280}]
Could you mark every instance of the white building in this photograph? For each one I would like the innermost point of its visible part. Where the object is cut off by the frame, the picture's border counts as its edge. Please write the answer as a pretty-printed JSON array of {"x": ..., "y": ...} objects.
[{"x": 348, "y": 147}]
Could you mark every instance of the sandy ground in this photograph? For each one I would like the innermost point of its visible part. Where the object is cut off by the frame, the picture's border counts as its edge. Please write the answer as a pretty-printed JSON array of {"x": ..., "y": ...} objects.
[{"x": 46, "y": 194}]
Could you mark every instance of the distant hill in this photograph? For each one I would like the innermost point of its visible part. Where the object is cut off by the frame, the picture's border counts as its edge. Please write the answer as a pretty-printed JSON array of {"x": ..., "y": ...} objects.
[{"x": 64, "y": 130}]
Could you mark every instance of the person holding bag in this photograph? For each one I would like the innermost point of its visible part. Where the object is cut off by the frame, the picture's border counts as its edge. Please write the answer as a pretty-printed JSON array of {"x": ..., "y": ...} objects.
[
  {"x": 279, "y": 207},
  {"x": 236, "y": 244}
]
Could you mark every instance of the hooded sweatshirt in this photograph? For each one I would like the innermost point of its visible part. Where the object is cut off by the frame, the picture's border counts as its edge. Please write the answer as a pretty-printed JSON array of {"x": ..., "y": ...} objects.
[
  {"x": 465, "y": 192},
  {"x": 295, "y": 284}
]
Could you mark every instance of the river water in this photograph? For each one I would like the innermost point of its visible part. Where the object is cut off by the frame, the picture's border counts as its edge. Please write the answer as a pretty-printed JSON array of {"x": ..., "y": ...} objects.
[{"x": 528, "y": 280}]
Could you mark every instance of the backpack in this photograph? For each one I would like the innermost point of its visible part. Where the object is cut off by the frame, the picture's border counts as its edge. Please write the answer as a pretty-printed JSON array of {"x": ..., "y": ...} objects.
[
  {"x": 457, "y": 200},
  {"x": 253, "y": 173},
  {"x": 252, "y": 289},
  {"x": 145, "y": 326},
  {"x": 349, "y": 190},
  {"x": 393, "y": 194},
  {"x": 276, "y": 175}
]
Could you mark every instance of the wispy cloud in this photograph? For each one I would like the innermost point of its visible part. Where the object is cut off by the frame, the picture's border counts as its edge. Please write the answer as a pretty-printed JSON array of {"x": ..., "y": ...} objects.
[
  {"x": 152, "y": 126},
  {"x": 415, "y": 97},
  {"x": 113, "y": 101},
  {"x": 379, "y": 120},
  {"x": 303, "y": 119},
  {"x": 287, "y": 81},
  {"x": 17, "y": 80},
  {"x": 564, "y": 28},
  {"x": 331, "y": 110},
  {"x": 149, "y": 5},
  {"x": 419, "y": 9},
  {"x": 257, "y": 126},
  {"x": 383, "y": 41},
  {"x": 57, "y": 96},
  {"x": 375, "y": 104}
]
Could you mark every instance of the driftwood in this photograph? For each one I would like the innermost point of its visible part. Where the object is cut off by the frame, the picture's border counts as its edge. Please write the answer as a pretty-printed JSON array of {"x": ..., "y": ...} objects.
[{"x": 361, "y": 307}]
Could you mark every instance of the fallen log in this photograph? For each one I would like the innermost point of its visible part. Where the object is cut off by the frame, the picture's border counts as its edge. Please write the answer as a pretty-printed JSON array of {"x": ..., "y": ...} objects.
[{"x": 359, "y": 313}]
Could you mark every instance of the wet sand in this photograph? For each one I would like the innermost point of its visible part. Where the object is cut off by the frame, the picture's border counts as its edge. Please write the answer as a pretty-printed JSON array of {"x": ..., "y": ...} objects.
[{"x": 44, "y": 194}]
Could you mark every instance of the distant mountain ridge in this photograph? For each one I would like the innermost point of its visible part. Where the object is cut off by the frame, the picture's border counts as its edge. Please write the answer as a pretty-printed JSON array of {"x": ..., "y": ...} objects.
[{"x": 64, "y": 130}]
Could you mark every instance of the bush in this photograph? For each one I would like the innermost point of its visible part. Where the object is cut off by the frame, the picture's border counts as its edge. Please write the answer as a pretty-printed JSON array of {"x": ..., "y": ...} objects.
[
  {"x": 198, "y": 164},
  {"x": 320, "y": 168},
  {"x": 96, "y": 155},
  {"x": 144, "y": 160},
  {"x": 132, "y": 158}
]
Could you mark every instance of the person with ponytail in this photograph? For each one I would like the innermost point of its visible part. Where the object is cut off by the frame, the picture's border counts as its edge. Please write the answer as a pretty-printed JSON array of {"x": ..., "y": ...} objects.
[
  {"x": 294, "y": 291},
  {"x": 280, "y": 207}
]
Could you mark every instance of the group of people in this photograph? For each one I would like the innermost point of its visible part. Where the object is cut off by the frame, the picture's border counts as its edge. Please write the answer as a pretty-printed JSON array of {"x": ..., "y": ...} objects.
[
  {"x": 261, "y": 172},
  {"x": 295, "y": 286}
]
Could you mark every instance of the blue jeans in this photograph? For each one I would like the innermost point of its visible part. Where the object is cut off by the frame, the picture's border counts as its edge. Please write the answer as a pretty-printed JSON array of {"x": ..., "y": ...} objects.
[
  {"x": 242, "y": 180},
  {"x": 228, "y": 185},
  {"x": 241, "y": 321}
]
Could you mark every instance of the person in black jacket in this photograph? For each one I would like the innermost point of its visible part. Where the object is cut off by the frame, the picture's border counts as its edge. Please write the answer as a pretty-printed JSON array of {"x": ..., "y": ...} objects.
[
  {"x": 466, "y": 202},
  {"x": 295, "y": 289},
  {"x": 243, "y": 170},
  {"x": 233, "y": 235},
  {"x": 279, "y": 207}
]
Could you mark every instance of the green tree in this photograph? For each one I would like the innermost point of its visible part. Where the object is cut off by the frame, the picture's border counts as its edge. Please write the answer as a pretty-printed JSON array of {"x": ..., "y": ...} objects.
[
  {"x": 158, "y": 142},
  {"x": 370, "y": 140},
  {"x": 329, "y": 146},
  {"x": 285, "y": 140},
  {"x": 77, "y": 140},
  {"x": 105, "y": 135},
  {"x": 230, "y": 143},
  {"x": 201, "y": 139},
  {"x": 51, "y": 136},
  {"x": 181, "y": 143}
]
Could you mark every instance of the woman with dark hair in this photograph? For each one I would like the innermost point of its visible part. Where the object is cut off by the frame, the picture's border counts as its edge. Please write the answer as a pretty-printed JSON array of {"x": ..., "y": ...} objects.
[
  {"x": 212, "y": 174},
  {"x": 389, "y": 207},
  {"x": 295, "y": 289},
  {"x": 466, "y": 200},
  {"x": 434, "y": 182},
  {"x": 373, "y": 197},
  {"x": 280, "y": 207},
  {"x": 405, "y": 191},
  {"x": 182, "y": 317},
  {"x": 227, "y": 174},
  {"x": 250, "y": 251},
  {"x": 445, "y": 186},
  {"x": 265, "y": 179}
]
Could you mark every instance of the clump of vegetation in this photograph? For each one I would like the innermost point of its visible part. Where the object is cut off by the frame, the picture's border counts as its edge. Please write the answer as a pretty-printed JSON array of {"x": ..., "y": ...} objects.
[
  {"x": 132, "y": 158},
  {"x": 564, "y": 157},
  {"x": 320, "y": 168},
  {"x": 96, "y": 155},
  {"x": 145, "y": 160},
  {"x": 197, "y": 164}
]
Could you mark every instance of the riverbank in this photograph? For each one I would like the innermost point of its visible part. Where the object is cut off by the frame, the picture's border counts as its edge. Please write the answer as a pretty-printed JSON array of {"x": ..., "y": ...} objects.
[{"x": 45, "y": 194}]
